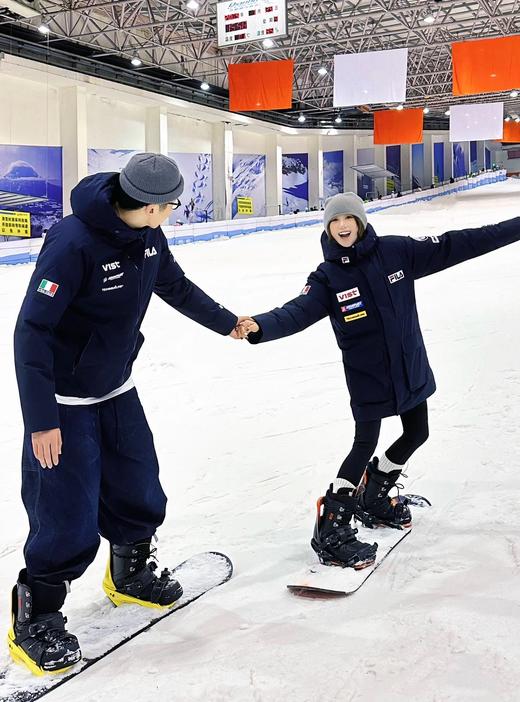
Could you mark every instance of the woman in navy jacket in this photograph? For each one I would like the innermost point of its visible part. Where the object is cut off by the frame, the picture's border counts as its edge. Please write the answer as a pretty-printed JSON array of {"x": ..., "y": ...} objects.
[{"x": 366, "y": 288}]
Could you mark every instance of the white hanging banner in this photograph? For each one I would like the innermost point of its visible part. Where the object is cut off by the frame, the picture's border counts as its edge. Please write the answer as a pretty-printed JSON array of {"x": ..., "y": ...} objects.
[
  {"x": 477, "y": 122},
  {"x": 371, "y": 77}
]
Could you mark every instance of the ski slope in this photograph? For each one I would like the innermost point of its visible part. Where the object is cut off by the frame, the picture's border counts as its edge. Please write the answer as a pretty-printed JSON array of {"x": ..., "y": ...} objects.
[{"x": 249, "y": 437}]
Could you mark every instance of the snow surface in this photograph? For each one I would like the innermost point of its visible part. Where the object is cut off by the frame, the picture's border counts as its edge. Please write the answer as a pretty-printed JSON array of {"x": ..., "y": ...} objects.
[{"x": 248, "y": 438}]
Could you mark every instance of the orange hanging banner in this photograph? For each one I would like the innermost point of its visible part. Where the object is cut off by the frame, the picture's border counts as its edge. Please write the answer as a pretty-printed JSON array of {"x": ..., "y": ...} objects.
[
  {"x": 398, "y": 126},
  {"x": 486, "y": 65},
  {"x": 511, "y": 133},
  {"x": 266, "y": 85}
]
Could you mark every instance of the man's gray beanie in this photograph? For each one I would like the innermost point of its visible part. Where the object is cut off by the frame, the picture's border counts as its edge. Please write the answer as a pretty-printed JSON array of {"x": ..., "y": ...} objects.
[
  {"x": 152, "y": 178},
  {"x": 346, "y": 204}
]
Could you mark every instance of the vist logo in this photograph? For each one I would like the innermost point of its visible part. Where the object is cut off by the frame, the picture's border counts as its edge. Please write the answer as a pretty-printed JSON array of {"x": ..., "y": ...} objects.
[
  {"x": 353, "y": 317},
  {"x": 305, "y": 290},
  {"x": 347, "y": 294},
  {"x": 150, "y": 252},
  {"x": 354, "y": 306},
  {"x": 47, "y": 287},
  {"x": 111, "y": 266},
  {"x": 394, "y": 277}
]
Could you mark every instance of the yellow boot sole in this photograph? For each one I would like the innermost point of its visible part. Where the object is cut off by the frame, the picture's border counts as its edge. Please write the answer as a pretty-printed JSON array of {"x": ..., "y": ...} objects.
[
  {"x": 119, "y": 598},
  {"x": 21, "y": 657}
]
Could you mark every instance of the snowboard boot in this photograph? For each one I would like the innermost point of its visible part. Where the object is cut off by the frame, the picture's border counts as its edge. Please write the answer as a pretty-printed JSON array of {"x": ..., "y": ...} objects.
[
  {"x": 334, "y": 539},
  {"x": 39, "y": 640},
  {"x": 131, "y": 579},
  {"x": 375, "y": 507}
]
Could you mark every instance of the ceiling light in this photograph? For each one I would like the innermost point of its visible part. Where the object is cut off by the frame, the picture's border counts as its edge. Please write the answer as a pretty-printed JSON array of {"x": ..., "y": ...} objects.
[
  {"x": 338, "y": 120},
  {"x": 192, "y": 5},
  {"x": 517, "y": 119},
  {"x": 400, "y": 107},
  {"x": 426, "y": 110},
  {"x": 204, "y": 85},
  {"x": 447, "y": 113},
  {"x": 429, "y": 19},
  {"x": 43, "y": 29},
  {"x": 507, "y": 119},
  {"x": 136, "y": 61},
  {"x": 322, "y": 71},
  {"x": 513, "y": 93},
  {"x": 301, "y": 118},
  {"x": 268, "y": 43}
]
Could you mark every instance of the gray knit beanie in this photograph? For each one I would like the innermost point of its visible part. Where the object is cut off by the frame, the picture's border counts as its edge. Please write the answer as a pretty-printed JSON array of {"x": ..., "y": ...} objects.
[
  {"x": 152, "y": 178},
  {"x": 345, "y": 204}
]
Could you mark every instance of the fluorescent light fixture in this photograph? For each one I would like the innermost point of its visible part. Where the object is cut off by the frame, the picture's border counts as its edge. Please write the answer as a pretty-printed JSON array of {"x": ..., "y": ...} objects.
[
  {"x": 136, "y": 61},
  {"x": 301, "y": 119},
  {"x": 400, "y": 107},
  {"x": 268, "y": 43},
  {"x": 338, "y": 120},
  {"x": 426, "y": 110},
  {"x": 322, "y": 71},
  {"x": 507, "y": 119},
  {"x": 447, "y": 113},
  {"x": 429, "y": 19},
  {"x": 513, "y": 93},
  {"x": 192, "y": 5},
  {"x": 204, "y": 85},
  {"x": 43, "y": 29}
]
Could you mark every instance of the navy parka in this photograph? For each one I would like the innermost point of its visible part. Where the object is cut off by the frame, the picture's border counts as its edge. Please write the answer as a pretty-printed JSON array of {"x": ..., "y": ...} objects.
[
  {"x": 367, "y": 291},
  {"x": 81, "y": 338}
]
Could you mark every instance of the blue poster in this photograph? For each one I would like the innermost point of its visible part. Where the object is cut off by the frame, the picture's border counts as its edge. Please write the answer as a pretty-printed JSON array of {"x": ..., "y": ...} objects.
[
  {"x": 487, "y": 157},
  {"x": 332, "y": 173},
  {"x": 438, "y": 162},
  {"x": 393, "y": 164},
  {"x": 459, "y": 165},
  {"x": 473, "y": 159},
  {"x": 108, "y": 160},
  {"x": 31, "y": 181},
  {"x": 295, "y": 182},
  {"x": 249, "y": 181},
  {"x": 197, "y": 198},
  {"x": 417, "y": 166}
]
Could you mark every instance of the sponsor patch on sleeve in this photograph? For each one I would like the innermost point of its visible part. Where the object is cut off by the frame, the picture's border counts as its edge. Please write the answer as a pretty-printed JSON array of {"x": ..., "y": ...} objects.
[
  {"x": 305, "y": 290},
  {"x": 435, "y": 239},
  {"x": 47, "y": 287}
]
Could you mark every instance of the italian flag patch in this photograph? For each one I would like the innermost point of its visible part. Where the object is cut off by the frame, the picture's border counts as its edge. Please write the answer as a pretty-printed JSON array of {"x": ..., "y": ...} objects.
[{"x": 47, "y": 287}]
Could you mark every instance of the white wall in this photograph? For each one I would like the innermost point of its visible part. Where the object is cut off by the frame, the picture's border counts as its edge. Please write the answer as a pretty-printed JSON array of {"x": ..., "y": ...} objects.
[
  {"x": 187, "y": 135},
  {"x": 29, "y": 114},
  {"x": 246, "y": 141},
  {"x": 112, "y": 124}
]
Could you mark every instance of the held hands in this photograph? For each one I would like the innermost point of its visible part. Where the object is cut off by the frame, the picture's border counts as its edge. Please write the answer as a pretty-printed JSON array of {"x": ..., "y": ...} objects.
[
  {"x": 244, "y": 326},
  {"x": 47, "y": 447}
]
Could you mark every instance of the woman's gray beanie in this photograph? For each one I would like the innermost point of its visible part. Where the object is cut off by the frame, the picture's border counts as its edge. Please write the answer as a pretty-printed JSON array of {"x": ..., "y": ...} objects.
[{"x": 344, "y": 204}]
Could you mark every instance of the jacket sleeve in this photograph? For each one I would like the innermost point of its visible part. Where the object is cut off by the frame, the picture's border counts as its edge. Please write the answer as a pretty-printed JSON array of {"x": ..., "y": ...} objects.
[
  {"x": 432, "y": 254},
  {"x": 41, "y": 311},
  {"x": 173, "y": 287},
  {"x": 311, "y": 305}
]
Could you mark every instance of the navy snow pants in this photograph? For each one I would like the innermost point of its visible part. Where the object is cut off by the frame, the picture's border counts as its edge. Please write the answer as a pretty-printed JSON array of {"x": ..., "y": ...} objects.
[{"x": 106, "y": 482}]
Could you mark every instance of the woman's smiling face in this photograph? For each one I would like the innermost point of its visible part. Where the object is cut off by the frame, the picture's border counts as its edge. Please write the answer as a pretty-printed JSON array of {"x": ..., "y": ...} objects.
[{"x": 344, "y": 229}]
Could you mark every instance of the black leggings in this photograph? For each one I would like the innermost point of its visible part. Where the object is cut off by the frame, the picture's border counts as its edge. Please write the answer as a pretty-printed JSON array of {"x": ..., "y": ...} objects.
[{"x": 415, "y": 433}]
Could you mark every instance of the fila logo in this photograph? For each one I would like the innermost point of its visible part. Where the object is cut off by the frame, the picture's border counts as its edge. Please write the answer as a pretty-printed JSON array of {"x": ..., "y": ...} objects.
[
  {"x": 394, "y": 277},
  {"x": 111, "y": 266},
  {"x": 347, "y": 294},
  {"x": 345, "y": 259},
  {"x": 150, "y": 252}
]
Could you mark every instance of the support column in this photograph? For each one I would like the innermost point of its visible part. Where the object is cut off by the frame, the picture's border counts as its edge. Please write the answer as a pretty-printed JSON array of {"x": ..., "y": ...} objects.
[
  {"x": 428, "y": 160},
  {"x": 349, "y": 160},
  {"x": 315, "y": 151},
  {"x": 380, "y": 160},
  {"x": 273, "y": 176},
  {"x": 481, "y": 160},
  {"x": 156, "y": 130},
  {"x": 448, "y": 159},
  {"x": 222, "y": 140},
  {"x": 406, "y": 167},
  {"x": 73, "y": 137}
]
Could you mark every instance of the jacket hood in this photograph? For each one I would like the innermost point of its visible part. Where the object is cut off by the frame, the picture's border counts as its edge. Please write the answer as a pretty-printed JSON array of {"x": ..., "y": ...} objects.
[
  {"x": 91, "y": 201},
  {"x": 332, "y": 251}
]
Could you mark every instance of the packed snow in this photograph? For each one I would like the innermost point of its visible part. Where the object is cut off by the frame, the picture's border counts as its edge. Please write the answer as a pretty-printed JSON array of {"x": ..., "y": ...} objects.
[{"x": 249, "y": 437}]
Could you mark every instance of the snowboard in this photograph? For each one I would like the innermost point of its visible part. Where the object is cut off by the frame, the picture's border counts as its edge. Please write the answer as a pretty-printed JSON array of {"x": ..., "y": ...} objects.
[
  {"x": 329, "y": 582},
  {"x": 115, "y": 626}
]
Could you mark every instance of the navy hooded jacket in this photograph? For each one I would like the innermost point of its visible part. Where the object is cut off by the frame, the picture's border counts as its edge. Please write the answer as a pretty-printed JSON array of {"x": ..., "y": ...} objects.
[
  {"x": 367, "y": 291},
  {"x": 77, "y": 333}
]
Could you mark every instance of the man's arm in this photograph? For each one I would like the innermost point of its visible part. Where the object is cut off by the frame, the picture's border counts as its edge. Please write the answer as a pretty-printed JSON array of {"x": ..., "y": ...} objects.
[
  {"x": 173, "y": 287},
  {"x": 432, "y": 254}
]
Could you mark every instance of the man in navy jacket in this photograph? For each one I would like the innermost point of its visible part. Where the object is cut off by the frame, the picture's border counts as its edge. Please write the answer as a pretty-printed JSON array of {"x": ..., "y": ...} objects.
[
  {"x": 366, "y": 286},
  {"x": 89, "y": 463}
]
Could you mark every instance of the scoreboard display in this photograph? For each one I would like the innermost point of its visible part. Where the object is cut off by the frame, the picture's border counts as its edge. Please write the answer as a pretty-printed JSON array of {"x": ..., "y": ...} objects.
[{"x": 240, "y": 21}]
